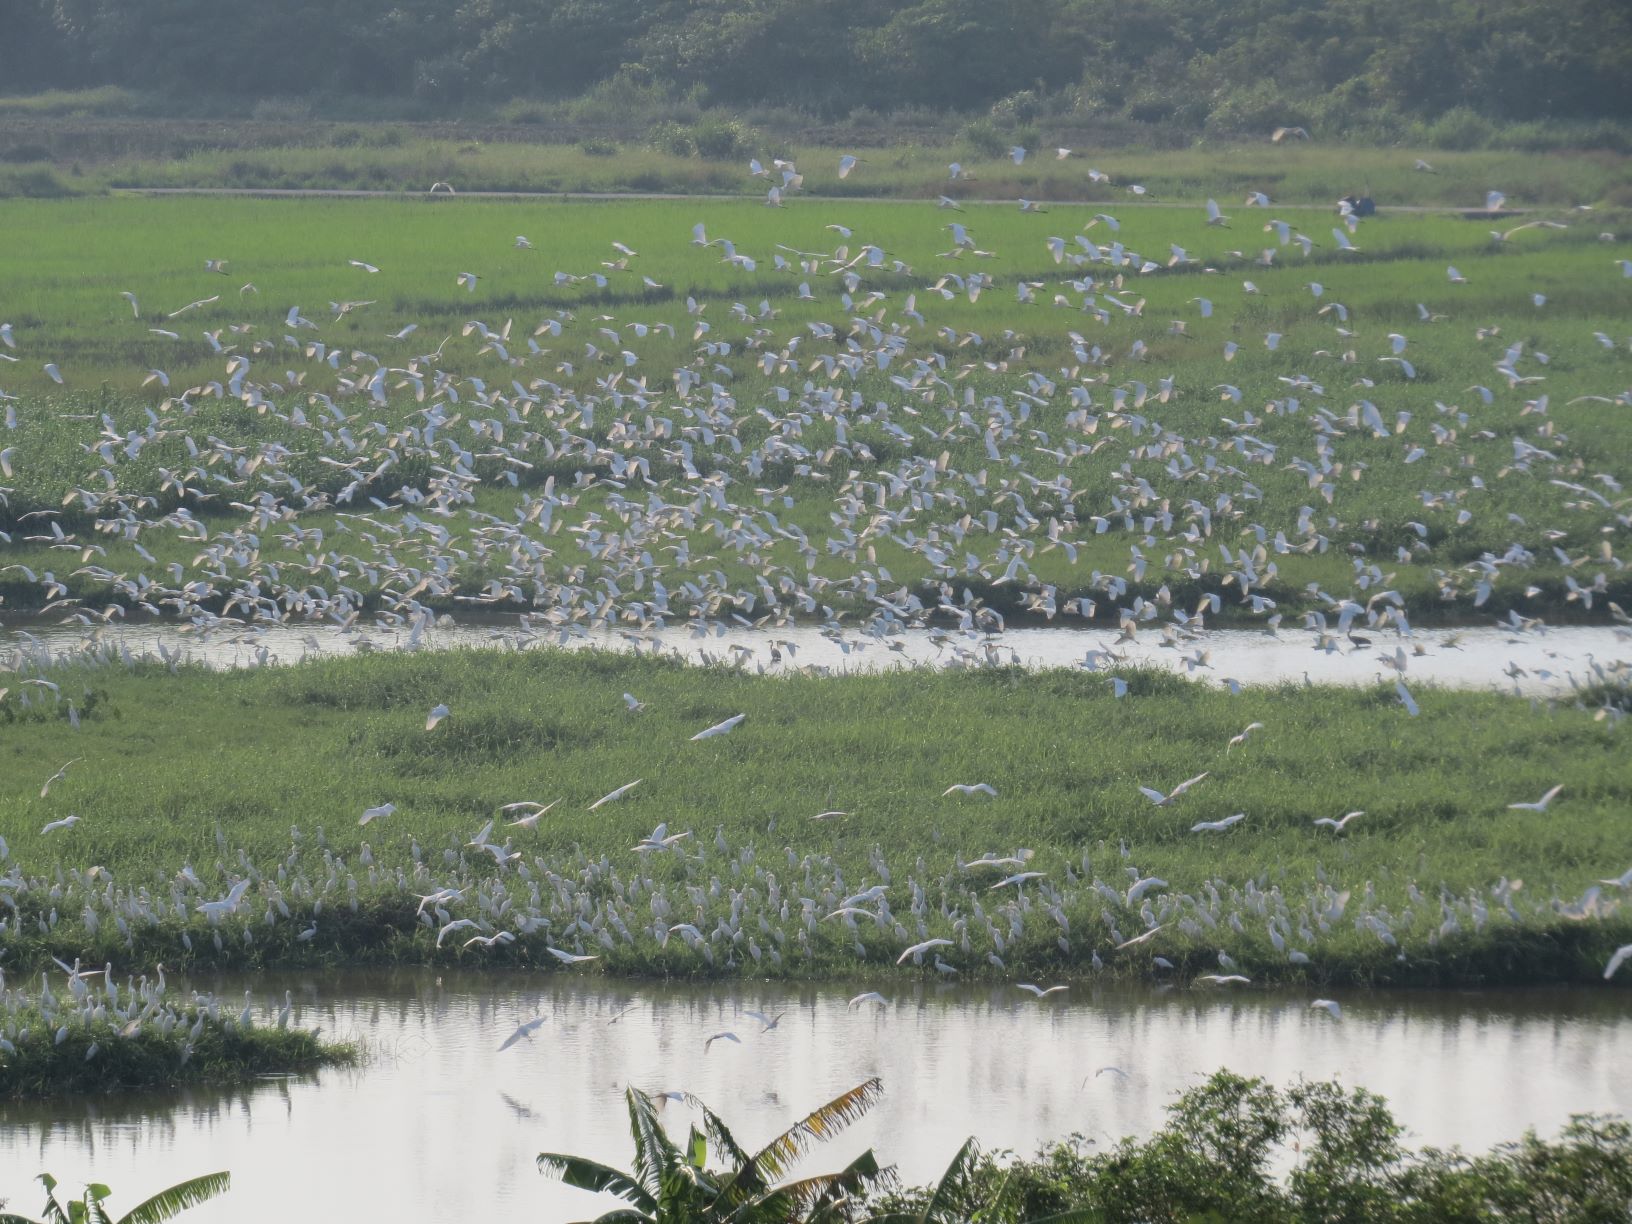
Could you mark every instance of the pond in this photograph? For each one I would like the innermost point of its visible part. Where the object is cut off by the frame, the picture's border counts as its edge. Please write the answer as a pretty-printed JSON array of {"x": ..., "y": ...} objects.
[{"x": 437, "y": 1123}]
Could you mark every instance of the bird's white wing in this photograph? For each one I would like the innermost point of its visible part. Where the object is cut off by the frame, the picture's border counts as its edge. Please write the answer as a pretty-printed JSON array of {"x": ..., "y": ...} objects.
[
  {"x": 1186, "y": 785},
  {"x": 1622, "y": 954}
]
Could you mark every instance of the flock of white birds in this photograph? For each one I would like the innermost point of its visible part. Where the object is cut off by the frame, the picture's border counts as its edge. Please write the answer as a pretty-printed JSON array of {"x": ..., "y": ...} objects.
[
  {"x": 677, "y": 476},
  {"x": 731, "y": 910},
  {"x": 96, "y": 1007}
]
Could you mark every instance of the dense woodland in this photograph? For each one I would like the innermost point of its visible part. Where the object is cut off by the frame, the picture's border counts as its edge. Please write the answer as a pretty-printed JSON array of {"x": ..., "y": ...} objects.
[{"x": 1218, "y": 65}]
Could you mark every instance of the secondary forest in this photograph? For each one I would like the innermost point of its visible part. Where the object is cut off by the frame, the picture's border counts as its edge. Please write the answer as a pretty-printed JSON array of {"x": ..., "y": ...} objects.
[{"x": 1367, "y": 68}]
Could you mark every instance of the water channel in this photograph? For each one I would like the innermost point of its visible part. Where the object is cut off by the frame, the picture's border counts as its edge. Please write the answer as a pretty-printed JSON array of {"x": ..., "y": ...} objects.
[
  {"x": 437, "y": 1124},
  {"x": 1544, "y": 661}
]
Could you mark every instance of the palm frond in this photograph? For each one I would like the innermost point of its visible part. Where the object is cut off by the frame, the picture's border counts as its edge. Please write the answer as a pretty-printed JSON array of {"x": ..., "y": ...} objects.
[
  {"x": 945, "y": 1204},
  {"x": 54, "y": 1213},
  {"x": 167, "y": 1204},
  {"x": 800, "y": 1198},
  {"x": 773, "y": 1160},
  {"x": 7, "y": 1217},
  {"x": 1078, "y": 1215},
  {"x": 655, "y": 1152},
  {"x": 584, "y": 1174},
  {"x": 733, "y": 1152},
  {"x": 743, "y": 1177}
]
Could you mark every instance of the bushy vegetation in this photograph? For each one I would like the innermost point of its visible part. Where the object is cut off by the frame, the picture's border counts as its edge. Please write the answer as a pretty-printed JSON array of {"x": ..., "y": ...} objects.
[
  {"x": 1241, "y": 66},
  {"x": 1219, "y": 1156},
  {"x": 127, "y": 1037},
  {"x": 674, "y": 1182},
  {"x": 1222, "y": 1156}
]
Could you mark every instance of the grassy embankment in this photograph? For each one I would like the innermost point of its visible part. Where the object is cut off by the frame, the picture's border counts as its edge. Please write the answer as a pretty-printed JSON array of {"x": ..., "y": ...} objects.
[
  {"x": 75, "y": 143},
  {"x": 397, "y": 159},
  {"x": 262, "y": 777},
  {"x": 70, "y": 264}
]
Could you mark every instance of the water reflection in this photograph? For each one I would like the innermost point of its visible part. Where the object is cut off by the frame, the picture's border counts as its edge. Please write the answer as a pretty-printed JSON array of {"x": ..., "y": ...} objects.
[
  {"x": 437, "y": 1124},
  {"x": 1541, "y": 661}
]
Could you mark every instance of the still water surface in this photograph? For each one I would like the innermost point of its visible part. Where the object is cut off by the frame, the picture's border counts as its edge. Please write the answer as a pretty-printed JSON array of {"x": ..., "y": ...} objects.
[
  {"x": 1538, "y": 662},
  {"x": 436, "y": 1124}
]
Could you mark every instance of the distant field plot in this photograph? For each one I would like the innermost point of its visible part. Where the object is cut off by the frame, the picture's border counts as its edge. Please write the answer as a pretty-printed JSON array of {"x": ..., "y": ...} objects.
[
  {"x": 54, "y": 155},
  {"x": 313, "y": 406}
]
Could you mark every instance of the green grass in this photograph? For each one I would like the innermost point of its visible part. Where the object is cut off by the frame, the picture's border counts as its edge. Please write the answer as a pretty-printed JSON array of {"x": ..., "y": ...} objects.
[
  {"x": 263, "y": 776},
  {"x": 73, "y": 259},
  {"x": 159, "y": 1051}
]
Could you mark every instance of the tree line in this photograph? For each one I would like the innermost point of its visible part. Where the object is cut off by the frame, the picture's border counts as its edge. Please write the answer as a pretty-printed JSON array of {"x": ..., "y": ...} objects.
[{"x": 1226, "y": 64}]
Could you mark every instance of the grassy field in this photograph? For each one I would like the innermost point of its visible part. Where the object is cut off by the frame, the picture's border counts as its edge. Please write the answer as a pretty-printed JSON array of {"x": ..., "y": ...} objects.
[
  {"x": 1133, "y": 454},
  {"x": 873, "y": 411},
  {"x": 187, "y": 783}
]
